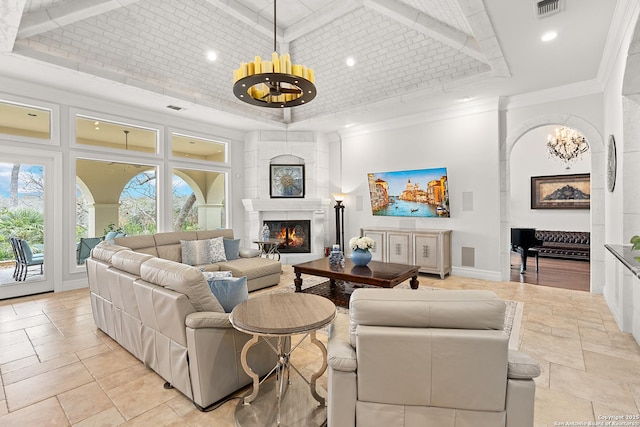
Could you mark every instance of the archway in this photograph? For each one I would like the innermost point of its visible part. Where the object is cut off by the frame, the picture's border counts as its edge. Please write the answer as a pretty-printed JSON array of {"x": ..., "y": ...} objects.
[{"x": 597, "y": 188}]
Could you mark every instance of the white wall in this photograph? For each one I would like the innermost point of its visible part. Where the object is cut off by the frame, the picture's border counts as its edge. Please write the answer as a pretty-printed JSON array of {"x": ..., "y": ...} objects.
[
  {"x": 530, "y": 158},
  {"x": 622, "y": 211},
  {"x": 467, "y": 145}
]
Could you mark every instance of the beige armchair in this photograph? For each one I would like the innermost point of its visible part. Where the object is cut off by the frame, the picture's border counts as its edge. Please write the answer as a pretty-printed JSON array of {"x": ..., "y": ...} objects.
[{"x": 427, "y": 359}]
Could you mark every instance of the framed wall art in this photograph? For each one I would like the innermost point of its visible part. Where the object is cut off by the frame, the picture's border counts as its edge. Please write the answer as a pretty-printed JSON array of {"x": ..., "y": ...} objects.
[
  {"x": 416, "y": 193},
  {"x": 286, "y": 181},
  {"x": 561, "y": 191}
]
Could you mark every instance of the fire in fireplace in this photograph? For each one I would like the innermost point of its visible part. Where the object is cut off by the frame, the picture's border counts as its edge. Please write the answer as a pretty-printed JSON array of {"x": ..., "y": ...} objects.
[{"x": 295, "y": 235}]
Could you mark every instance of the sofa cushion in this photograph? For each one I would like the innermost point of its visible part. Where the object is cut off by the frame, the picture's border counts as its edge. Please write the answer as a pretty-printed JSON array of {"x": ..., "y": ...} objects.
[
  {"x": 251, "y": 267},
  {"x": 227, "y": 233},
  {"x": 104, "y": 251},
  {"x": 181, "y": 278},
  {"x": 448, "y": 309},
  {"x": 229, "y": 291},
  {"x": 231, "y": 248},
  {"x": 129, "y": 261}
]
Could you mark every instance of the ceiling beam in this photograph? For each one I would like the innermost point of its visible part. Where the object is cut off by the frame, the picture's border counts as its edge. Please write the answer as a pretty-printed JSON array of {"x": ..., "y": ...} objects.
[
  {"x": 428, "y": 25},
  {"x": 61, "y": 14},
  {"x": 10, "y": 16},
  {"x": 248, "y": 16},
  {"x": 322, "y": 17}
]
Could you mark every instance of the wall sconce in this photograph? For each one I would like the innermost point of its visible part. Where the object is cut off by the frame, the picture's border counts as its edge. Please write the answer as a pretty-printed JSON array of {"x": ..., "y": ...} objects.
[{"x": 339, "y": 207}]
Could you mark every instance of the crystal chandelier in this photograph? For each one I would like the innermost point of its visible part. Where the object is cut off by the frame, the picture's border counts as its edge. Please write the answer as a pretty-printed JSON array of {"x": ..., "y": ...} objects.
[
  {"x": 276, "y": 83},
  {"x": 567, "y": 145}
]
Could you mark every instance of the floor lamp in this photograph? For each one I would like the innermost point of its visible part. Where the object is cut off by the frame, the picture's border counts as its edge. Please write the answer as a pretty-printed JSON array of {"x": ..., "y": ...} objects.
[{"x": 339, "y": 207}]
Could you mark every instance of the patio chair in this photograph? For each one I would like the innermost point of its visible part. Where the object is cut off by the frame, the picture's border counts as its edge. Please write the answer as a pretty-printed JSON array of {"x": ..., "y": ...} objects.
[
  {"x": 14, "y": 247},
  {"x": 27, "y": 259},
  {"x": 83, "y": 250}
]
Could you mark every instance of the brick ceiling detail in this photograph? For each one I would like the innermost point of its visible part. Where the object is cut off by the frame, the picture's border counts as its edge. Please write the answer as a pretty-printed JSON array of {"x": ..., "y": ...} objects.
[{"x": 401, "y": 47}]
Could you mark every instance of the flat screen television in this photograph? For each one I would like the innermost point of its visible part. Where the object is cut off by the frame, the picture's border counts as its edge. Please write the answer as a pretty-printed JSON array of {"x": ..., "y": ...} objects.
[{"x": 414, "y": 193}]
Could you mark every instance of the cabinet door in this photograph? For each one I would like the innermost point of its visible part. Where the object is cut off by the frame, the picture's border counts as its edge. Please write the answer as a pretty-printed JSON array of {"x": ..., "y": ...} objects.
[
  {"x": 426, "y": 251},
  {"x": 399, "y": 248},
  {"x": 377, "y": 253}
]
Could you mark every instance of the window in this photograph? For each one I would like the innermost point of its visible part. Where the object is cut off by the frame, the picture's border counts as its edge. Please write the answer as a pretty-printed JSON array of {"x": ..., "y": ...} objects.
[
  {"x": 198, "y": 148},
  {"x": 20, "y": 120},
  {"x": 114, "y": 195},
  {"x": 198, "y": 200},
  {"x": 101, "y": 133}
]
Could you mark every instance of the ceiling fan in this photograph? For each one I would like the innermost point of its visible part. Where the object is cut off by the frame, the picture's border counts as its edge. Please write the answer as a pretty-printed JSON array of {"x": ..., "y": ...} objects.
[{"x": 126, "y": 147}]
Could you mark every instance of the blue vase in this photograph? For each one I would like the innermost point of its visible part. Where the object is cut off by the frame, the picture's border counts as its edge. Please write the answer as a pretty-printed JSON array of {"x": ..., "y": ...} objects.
[{"x": 360, "y": 257}]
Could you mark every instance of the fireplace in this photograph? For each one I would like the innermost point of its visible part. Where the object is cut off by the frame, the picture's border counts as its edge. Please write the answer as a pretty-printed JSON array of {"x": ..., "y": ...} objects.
[{"x": 295, "y": 235}]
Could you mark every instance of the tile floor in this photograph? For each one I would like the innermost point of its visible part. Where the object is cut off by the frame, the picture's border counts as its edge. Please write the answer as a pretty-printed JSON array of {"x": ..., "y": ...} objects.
[{"x": 57, "y": 369}]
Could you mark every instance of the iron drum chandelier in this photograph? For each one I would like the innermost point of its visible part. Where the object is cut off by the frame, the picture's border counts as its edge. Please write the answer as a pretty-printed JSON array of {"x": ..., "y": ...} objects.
[
  {"x": 567, "y": 145},
  {"x": 276, "y": 83}
]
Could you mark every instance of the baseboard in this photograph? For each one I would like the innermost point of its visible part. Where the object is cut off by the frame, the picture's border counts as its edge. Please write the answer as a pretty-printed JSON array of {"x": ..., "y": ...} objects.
[
  {"x": 70, "y": 285},
  {"x": 475, "y": 273}
]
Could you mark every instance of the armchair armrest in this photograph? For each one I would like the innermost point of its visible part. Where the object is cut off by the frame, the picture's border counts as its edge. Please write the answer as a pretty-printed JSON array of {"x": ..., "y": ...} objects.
[
  {"x": 208, "y": 319},
  {"x": 341, "y": 356},
  {"x": 522, "y": 366}
]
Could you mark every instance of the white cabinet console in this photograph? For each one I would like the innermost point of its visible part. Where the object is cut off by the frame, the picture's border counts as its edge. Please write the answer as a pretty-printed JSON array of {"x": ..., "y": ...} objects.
[{"x": 428, "y": 249}]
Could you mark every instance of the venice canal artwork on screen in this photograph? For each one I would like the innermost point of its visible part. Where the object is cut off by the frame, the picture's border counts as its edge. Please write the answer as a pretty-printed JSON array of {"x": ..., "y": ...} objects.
[{"x": 416, "y": 193}]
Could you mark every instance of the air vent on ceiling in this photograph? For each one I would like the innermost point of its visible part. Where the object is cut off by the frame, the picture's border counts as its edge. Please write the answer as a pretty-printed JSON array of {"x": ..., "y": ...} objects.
[
  {"x": 546, "y": 8},
  {"x": 174, "y": 107}
]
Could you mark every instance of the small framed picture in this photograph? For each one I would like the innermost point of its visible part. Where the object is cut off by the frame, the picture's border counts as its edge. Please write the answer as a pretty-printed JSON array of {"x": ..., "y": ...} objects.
[
  {"x": 287, "y": 181},
  {"x": 561, "y": 191}
]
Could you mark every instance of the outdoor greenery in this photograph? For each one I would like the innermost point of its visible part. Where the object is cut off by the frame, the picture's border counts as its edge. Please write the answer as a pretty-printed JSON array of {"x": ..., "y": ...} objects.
[{"x": 23, "y": 223}]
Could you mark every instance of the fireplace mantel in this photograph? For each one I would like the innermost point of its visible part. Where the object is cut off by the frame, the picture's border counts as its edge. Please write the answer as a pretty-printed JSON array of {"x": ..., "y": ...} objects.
[{"x": 280, "y": 204}]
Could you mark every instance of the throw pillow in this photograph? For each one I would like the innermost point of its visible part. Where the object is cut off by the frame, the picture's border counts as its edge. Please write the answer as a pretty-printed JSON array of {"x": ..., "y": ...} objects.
[
  {"x": 195, "y": 252},
  {"x": 231, "y": 248},
  {"x": 229, "y": 291},
  {"x": 216, "y": 250},
  {"x": 249, "y": 253},
  {"x": 110, "y": 235},
  {"x": 216, "y": 274}
]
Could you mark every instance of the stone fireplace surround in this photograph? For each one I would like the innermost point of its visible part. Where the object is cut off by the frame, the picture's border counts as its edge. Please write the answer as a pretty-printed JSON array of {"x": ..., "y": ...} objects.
[
  {"x": 263, "y": 148},
  {"x": 315, "y": 210}
]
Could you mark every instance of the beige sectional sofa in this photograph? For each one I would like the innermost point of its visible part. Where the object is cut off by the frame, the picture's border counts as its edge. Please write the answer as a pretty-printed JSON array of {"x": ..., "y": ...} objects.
[
  {"x": 163, "y": 312},
  {"x": 260, "y": 272}
]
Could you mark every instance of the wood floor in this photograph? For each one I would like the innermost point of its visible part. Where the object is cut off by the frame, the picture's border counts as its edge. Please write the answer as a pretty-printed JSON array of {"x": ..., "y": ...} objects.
[{"x": 557, "y": 273}]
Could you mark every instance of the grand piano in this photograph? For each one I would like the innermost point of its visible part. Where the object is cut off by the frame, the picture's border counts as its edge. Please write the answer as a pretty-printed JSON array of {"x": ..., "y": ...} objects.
[{"x": 522, "y": 240}]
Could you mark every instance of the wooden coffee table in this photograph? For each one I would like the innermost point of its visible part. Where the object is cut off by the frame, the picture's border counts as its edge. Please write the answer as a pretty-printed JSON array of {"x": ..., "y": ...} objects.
[{"x": 383, "y": 274}]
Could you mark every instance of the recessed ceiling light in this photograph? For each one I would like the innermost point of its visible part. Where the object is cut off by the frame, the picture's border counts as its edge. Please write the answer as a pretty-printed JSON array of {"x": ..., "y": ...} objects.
[
  {"x": 351, "y": 62},
  {"x": 212, "y": 56},
  {"x": 548, "y": 36}
]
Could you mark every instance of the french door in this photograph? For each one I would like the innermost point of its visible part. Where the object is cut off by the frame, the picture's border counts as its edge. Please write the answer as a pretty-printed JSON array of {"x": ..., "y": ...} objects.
[{"x": 28, "y": 211}]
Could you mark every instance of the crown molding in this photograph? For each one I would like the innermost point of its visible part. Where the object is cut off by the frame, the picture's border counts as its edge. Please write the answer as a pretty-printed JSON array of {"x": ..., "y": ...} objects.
[
  {"x": 558, "y": 93},
  {"x": 426, "y": 116}
]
